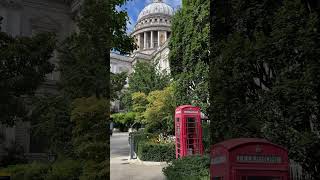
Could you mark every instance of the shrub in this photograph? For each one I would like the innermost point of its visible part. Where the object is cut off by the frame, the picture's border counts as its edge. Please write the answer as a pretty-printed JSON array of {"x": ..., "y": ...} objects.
[
  {"x": 65, "y": 170},
  {"x": 149, "y": 151},
  {"x": 60, "y": 170},
  {"x": 33, "y": 171},
  {"x": 139, "y": 137},
  {"x": 188, "y": 168}
]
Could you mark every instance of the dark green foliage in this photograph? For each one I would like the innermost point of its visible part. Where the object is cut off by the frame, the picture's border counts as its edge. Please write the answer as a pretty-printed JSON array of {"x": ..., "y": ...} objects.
[
  {"x": 124, "y": 120},
  {"x": 139, "y": 137},
  {"x": 61, "y": 170},
  {"x": 188, "y": 168},
  {"x": 149, "y": 151},
  {"x": 189, "y": 53},
  {"x": 90, "y": 133},
  {"x": 95, "y": 170},
  {"x": 33, "y": 171},
  {"x": 206, "y": 136},
  {"x": 117, "y": 82},
  {"x": 24, "y": 64},
  {"x": 264, "y": 78},
  {"x": 65, "y": 170},
  {"x": 85, "y": 56},
  {"x": 51, "y": 125},
  {"x": 15, "y": 155},
  {"x": 147, "y": 78}
]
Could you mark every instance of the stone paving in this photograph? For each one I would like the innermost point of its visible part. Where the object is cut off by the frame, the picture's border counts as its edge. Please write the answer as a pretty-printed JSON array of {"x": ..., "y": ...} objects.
[{"x": 120, "y": 167}]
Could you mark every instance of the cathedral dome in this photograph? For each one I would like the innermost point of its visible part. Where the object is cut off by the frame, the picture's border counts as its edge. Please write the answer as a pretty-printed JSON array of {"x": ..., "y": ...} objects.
[{"x": 158, "y": 7}]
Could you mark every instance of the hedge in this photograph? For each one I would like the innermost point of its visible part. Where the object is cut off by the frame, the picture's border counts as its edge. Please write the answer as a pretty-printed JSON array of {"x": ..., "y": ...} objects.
[
  {"x": 33, "y": 171},
  {"x": 188, "y": 168},
  {"x": 60, "y": 170},
  {"x": 139, "y": 137},
  {"x": 149, "y": 151}
]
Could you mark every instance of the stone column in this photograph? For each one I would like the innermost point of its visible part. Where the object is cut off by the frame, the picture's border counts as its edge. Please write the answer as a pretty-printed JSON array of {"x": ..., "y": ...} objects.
[
  {"x": 145, "y": 40},
  {"x": 158, "y": 38},
  {"x": 151, "y": 39},
  {"x": 138, "y": 41},
  {"x": 165, "y": 36}
]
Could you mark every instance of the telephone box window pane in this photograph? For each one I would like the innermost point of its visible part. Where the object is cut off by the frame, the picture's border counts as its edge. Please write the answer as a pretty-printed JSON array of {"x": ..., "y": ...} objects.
[
  {"x": 191, "y": 120},
  {"x": 217, "y": 178},
  {"x": 178, "y": 119}
]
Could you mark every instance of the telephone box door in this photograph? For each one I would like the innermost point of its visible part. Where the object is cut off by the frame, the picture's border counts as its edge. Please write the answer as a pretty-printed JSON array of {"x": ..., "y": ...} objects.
[{"x": 193, "y": 135}]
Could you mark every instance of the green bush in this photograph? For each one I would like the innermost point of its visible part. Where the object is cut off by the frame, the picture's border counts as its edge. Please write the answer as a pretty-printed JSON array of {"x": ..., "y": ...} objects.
[
  {"x": 65, "y": 170},
  {"x": 33, "y": 171},
  {"x": 149, "y": 151},
  {"x": 188, "y": 168},
  {"x": 139, "y": 137},
  {"x": 60, "y": 170}
]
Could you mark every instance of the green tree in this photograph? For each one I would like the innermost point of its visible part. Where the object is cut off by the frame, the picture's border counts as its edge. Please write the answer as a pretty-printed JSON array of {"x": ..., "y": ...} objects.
[
  {"x": 90, "y": 136},
  {"x": 117, "y": 83},
  {"x": 189, "y": 53},
  {"x": 139, "y": 105},
  {"x": 85, "y": 56},
  {"x": 146, "y": 78},
  {"x": 24, "y": 64},
  {"x": 51, "y": 125},
  {"x": 262, "y": 75},
  {"x": 159, "y": 113},
  {"x": 126, "y": 119}
]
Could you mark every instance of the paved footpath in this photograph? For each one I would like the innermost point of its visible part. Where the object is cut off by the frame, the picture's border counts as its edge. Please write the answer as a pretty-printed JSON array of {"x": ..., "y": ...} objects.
[{"x": 120, "y": 167}]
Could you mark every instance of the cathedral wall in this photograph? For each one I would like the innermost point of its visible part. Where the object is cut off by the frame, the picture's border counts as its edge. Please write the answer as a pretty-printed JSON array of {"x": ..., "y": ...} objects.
[{"x": 26, "y": 18}]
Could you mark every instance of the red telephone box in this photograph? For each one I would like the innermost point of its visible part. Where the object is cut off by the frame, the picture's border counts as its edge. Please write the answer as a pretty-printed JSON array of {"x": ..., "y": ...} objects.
[
  {"x": 248, "y": 159},
  {"x": 188, "y": 131}
]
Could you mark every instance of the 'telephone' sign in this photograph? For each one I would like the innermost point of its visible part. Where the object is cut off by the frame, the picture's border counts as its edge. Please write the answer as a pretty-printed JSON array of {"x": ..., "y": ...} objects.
[{"x": 259, "y": 159}]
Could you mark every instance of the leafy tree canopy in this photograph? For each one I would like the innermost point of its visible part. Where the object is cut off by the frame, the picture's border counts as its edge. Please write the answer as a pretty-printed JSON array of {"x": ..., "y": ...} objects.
[
  {"x": 147, "y": 78},
  {"x": 263, "y": 80},
  {"x": 160, "y": 109},
  {"x": 85, "y": 56},
  {"x": 189, "y": 53},
  {"x": 24, "y": 64},
  {"x": 117, "y": 83}
]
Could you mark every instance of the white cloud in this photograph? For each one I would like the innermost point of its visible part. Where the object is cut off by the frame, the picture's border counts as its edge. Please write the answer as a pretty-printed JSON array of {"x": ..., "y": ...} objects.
[
  {"x": 130, "y": 25},
  {"x": 173, "y": 3}
]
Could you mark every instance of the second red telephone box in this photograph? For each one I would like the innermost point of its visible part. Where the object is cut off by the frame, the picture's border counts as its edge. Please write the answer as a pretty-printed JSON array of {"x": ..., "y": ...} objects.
[{"x": 188, "y": 131}]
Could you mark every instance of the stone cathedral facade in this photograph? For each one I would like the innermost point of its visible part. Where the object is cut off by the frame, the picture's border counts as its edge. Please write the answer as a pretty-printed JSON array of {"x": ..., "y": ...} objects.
[
  {"x": 151, "y": 33},
  {"x": 28, "y": 17}
]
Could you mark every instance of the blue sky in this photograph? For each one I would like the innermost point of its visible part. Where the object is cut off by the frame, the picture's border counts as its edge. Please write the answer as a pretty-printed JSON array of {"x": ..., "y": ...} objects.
[{"x": 134, "y": 7}]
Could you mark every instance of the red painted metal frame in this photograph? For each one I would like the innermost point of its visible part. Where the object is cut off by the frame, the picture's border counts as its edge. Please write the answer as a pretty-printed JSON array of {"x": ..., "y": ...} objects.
[
  {"x": 182, "y": 113},
  {"x": 235, "y": 159}
]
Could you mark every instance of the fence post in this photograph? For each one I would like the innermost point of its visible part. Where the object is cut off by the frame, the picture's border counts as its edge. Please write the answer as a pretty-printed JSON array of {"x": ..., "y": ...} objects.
[{"x": 131, "y": 146}]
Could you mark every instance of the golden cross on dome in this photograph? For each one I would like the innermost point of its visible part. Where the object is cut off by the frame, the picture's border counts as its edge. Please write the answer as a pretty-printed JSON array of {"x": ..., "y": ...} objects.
[{"x": 157, "y": 1}]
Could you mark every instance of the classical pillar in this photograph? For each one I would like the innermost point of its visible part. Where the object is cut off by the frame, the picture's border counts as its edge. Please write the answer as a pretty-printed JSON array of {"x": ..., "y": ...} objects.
[
  {"x": 151, "y": 39},
  {"x": 138, "y": 41},
  {"x": 158, "y": 38},
  {"x": 165, "y": 36},
  {"x": 145, "y": 40}
]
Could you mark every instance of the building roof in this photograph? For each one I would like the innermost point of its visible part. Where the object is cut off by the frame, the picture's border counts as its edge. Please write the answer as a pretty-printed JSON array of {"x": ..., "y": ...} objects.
[{"x": 156, "y": 7}]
